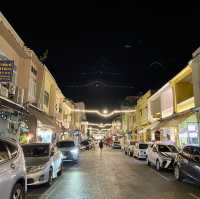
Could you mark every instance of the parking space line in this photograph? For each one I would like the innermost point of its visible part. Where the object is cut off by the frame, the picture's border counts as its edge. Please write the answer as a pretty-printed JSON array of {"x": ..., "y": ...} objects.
[
  {"x": 49, "y": 191},
  {"x": 162, "y": 176},
  {"x": 194, "y": 196}
]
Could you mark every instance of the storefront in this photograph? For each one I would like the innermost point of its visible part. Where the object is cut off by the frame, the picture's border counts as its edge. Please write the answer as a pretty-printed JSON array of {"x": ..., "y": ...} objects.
[
  {"x": 12, "y": 118},
  {"x": 188, "y": 131},
  {"x": 46, "y": 129}
]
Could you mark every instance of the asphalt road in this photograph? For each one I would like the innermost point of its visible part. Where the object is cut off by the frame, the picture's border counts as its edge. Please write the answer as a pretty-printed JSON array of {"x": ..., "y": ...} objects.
[{"x": 114, "y": 176}]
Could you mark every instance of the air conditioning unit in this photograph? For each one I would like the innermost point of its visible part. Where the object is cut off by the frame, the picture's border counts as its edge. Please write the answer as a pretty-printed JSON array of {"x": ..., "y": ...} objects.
[
  {"x": 11, "y": 90},
  {"x": 3, "y": 91}
]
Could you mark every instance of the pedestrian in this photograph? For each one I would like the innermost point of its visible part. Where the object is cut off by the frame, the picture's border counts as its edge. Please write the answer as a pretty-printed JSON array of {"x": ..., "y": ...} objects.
[{"x": 101, "y": 145}]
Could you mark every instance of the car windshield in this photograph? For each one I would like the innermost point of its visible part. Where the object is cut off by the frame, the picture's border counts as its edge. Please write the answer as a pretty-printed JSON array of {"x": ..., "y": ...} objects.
[
  {"x": 163, "y": 148},
  {"x": 65, "y": 144},
  {"x": 143, "y": 146},
  {"x": 167, "y": 148},
  {"x": 35, "y": 150},
  {"x": 116, "y": 142},
  {"x": 196, "y": 151},
  {"x": 85, "y": 142},
  {"x": 173, "y": 149}
]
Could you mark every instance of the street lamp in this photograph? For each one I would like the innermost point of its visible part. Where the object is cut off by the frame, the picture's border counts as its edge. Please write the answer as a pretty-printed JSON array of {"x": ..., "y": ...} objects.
[{"x": 105, "y": 111}]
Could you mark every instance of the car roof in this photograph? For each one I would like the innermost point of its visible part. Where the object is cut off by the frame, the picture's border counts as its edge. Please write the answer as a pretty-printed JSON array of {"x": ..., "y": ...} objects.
[
  {"x": 66, "y": 141},
  {"x": 36, "y": 144},
  {"x": 192, "y": 145},
  {"x": 8, "y": 138}
]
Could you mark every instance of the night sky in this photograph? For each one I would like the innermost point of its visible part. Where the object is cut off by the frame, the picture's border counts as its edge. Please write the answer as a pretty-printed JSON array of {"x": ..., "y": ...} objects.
[{"x": 101, "y": 53}]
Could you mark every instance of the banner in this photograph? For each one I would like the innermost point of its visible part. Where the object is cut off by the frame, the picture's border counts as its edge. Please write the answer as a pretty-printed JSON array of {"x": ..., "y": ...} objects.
[{"x": 6, "y": 71}]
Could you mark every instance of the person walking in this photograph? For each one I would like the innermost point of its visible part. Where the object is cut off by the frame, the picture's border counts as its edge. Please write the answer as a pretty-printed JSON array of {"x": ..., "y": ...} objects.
[{"x": 101, "y": 146}]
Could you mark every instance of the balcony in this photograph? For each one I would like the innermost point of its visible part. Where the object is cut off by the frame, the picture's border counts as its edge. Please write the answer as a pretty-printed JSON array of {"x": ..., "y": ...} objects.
[{"x": 185, "y": 105}]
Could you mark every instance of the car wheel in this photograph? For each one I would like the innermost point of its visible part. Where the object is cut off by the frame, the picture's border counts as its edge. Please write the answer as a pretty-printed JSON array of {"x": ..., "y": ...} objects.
[
  {"x": 61, "y": 169},
  {"x": 157, "y": 165},
  {"x": 50, "y": 179},
  {"x": 131, "y": 154},
  {"x": 18, "y": 192},
  {"x": 148, "y": 162},
  {"x": 177, "y": 173},
  {"x": 125, "y": 152}
]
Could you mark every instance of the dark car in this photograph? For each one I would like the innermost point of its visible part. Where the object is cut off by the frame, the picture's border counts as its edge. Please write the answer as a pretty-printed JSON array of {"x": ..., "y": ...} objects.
[
  {"x": 85, "y": 145},
  {"x": 187, "y": 163}
]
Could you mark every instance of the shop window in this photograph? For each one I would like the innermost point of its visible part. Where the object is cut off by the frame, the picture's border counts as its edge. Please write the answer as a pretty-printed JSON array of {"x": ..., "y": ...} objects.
[{"x": 46, "y": 98}]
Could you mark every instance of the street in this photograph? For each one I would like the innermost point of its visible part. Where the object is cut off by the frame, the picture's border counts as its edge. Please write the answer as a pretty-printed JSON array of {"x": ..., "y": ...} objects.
[{"x": 114, "y": 176}]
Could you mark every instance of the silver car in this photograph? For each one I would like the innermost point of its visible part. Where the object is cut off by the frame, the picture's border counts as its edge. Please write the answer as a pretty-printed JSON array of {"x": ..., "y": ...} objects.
[
  {"x": 43, "y": 163},
  {"x": 69, "y": 150},
  {"x": 12, "y": 170}
]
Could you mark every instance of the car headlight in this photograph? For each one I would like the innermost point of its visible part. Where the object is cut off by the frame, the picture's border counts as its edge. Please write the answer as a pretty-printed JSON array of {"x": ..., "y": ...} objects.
[{"x": 74, "y": 151}]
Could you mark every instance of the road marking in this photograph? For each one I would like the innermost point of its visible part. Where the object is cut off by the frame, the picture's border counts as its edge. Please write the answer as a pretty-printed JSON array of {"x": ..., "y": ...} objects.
[
  {"x": 49, "y": 191},
  {"x": 162, "y": 176},
  {"x": 194, "y": 196}
]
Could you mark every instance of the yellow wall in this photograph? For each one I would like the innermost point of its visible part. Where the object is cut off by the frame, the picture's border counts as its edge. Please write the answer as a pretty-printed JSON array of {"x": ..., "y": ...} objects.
[
  {"x": 142, "y": 104},
  {"x": 183, "y": 90}
]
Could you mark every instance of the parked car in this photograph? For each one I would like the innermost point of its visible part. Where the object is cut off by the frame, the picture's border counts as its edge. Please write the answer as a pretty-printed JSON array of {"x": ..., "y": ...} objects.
[
  {"x": 12, "y": 170},
  {"x": 140, "y": 150},
  {"x": 161, "y": 156},
  {"x": 43, "y": 163},
  {"x": 116, "y": 145},
  {"x": 128, "y": 149},
  {"x": 69, "y": 150},
  {"x": 187, "y": 163},
  {"x": 84, "y": 145}
]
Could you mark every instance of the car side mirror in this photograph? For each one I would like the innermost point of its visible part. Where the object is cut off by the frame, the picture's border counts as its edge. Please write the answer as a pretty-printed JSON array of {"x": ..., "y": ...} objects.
[
  {"x": 154, "y": 150},
  {"x": 52, "y": 153}
]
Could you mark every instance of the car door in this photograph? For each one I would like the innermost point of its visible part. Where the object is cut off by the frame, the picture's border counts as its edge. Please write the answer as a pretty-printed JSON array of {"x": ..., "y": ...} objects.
[
  {"x": 194, "y": 164},
  {"x": 184, "y": 159},
  {"x": 56, "y": 159},
  {"x": 154, "y": 154},
  {"x": 7, "y": 172},
  {"x": 136, "y": 148}
]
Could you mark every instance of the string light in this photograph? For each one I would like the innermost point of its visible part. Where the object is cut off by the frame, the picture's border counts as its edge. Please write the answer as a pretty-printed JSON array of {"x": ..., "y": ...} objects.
[
  {"x": 104, "y": 114},
  {"x": 97, "y": 124}
]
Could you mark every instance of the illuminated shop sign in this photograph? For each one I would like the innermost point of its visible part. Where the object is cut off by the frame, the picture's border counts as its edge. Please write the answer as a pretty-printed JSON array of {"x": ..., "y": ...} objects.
[{"x": 6, "y": 71}]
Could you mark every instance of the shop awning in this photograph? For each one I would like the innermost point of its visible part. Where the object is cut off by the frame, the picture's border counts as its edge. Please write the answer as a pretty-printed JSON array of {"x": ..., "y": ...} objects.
[
  {"x": 42, "y": 117},
  {"x": 6, "y": 103},
  {"x": 174, "y": 120}
]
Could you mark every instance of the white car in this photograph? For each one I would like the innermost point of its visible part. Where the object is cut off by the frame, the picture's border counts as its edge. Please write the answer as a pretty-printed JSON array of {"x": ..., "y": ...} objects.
[
  {"x": 12, "y": 170},
  {"x": 140, "y": 150},
  {"x": 43, "y": 163},
  {"x": 129, "y": 148},
  {"x": 69, "y": 150},
  {"x": 161, "y": 156}
]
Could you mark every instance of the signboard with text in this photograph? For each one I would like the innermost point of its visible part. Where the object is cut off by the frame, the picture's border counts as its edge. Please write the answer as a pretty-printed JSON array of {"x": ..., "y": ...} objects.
[{"x": 6, "y": 71}]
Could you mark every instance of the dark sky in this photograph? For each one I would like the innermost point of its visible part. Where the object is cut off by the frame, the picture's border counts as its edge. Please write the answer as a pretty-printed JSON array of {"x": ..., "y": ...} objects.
[{"x": 100, "y": 53}]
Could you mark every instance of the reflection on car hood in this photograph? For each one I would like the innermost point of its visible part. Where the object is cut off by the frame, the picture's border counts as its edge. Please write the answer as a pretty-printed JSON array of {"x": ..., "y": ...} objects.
[
  {"x": 35, "y": 161},
  {"x": 67, "y": 148},
  {"x": 168, "y": 154}
]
